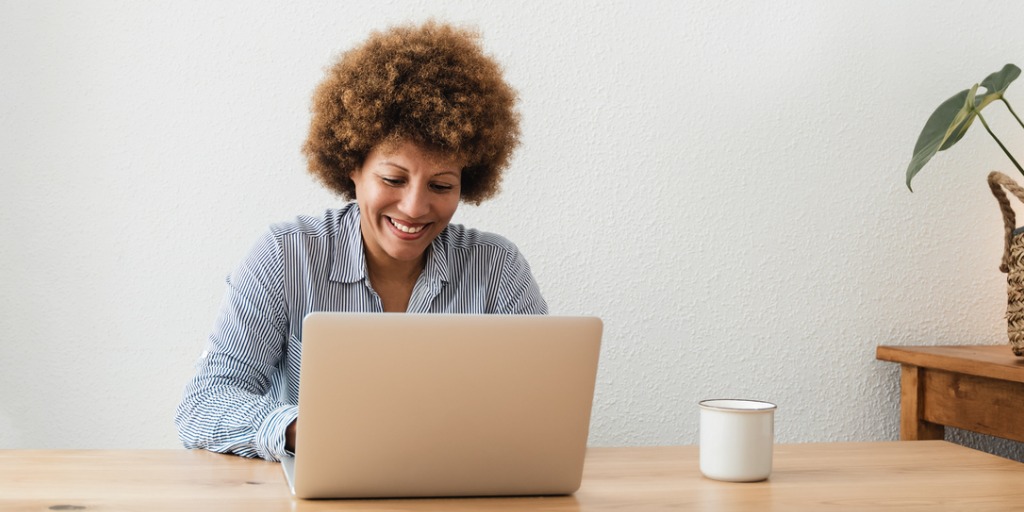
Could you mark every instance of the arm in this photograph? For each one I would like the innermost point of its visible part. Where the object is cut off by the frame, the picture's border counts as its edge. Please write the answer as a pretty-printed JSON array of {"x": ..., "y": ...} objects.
[{"x": 225, "y": 407}]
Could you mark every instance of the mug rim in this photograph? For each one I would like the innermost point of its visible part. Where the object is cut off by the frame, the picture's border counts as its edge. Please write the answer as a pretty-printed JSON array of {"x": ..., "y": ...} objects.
[{"x": 723, "y": 404}]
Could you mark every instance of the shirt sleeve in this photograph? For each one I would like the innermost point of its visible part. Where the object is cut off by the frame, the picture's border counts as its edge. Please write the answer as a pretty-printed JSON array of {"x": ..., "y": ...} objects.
[
  {"x": 520, "y": 293},
  {"x": 225, "y": 407}
]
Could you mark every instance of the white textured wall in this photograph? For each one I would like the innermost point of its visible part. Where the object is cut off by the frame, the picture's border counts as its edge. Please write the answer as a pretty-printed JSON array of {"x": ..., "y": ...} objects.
[{"x": 721, "y": 181}]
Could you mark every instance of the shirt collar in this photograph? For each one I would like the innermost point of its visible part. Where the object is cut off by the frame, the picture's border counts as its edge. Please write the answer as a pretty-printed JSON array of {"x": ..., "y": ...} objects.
[{"x": 349, "y": 258}]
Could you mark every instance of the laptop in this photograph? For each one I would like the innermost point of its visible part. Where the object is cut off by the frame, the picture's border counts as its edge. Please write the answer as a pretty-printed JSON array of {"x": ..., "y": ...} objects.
[{"x": 430, "y": 405}]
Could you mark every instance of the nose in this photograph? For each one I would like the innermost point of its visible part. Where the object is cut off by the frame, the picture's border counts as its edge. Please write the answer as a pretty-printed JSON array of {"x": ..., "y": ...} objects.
[{"x": 415, "y": 201}]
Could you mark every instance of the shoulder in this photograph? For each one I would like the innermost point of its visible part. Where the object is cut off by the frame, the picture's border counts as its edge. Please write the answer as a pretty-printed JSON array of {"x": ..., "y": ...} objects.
[
  {"x": 471, "y": 252},
  {"x": 491, "y": 262},
  {"x": 309, "y": 237},
  {"x": 330, "y": 224}
]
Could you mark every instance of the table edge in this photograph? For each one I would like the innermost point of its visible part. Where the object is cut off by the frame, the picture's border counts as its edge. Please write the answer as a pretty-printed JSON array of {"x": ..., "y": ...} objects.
[{"x": 990, "y": 361}]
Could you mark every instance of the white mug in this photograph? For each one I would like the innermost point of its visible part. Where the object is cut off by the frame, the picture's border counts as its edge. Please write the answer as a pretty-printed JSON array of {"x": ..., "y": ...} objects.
[{"x": 736, "y": 439}]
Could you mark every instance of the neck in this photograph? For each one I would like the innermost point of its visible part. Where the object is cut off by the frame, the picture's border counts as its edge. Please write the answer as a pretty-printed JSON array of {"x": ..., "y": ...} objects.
[{"x": 386, "y": 269}]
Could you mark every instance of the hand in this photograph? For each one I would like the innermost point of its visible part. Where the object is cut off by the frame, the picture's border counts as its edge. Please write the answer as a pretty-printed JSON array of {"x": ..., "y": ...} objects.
[{"x": 289, "y": 436}]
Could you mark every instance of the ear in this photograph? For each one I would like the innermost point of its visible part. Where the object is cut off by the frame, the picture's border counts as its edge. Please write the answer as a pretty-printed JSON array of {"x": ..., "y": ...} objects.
[{"x": 355, "y": 177}]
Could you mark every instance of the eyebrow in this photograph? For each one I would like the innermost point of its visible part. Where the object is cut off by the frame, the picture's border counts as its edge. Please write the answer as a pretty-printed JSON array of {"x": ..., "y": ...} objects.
[{"x": 454, "y": 173}]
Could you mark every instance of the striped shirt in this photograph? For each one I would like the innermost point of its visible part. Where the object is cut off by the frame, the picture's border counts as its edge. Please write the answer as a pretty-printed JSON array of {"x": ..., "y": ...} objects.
[{"x": 246, "y": 387}]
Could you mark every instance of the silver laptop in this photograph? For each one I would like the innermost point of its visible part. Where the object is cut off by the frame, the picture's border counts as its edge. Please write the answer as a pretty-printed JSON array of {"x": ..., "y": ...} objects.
[{"x": 409, "y": 405}]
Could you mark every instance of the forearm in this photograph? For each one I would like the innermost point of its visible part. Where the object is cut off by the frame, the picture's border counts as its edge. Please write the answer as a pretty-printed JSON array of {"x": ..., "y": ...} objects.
[{"x": 232, "y": 421}]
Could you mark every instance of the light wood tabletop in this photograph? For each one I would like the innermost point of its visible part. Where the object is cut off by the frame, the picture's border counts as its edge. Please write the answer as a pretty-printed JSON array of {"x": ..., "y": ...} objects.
[{"x": 897, "y": 475}]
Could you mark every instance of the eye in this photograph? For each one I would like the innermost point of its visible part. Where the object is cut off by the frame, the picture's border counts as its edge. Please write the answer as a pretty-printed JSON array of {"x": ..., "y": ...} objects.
[
  {"x": 391, "y": 182},
  {"x": 442, "y": 187}
]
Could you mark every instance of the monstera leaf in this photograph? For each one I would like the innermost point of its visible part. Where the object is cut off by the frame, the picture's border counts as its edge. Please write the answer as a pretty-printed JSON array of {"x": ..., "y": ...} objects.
[{"x": 948, "y": 124}]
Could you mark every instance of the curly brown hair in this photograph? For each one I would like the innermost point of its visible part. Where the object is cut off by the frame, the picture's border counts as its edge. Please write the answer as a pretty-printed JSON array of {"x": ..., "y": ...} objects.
[{"x": 430, "y": 84}]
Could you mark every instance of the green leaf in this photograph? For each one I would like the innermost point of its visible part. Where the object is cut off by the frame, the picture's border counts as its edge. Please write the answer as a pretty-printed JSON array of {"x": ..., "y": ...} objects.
[
  {"x": 963, "y": 118},
  {"x": 995, "y": 85},
  {"x": 948, "y": 124},
  {"x": 939, "y": 127}
]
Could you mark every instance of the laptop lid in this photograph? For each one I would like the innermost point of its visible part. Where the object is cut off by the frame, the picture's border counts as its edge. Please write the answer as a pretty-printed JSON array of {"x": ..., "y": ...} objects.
[{"x": 409, "y": 405}]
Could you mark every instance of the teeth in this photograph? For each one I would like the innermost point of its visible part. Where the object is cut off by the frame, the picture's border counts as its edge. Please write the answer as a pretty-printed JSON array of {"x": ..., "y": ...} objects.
[{"x": 406, "y": 229}]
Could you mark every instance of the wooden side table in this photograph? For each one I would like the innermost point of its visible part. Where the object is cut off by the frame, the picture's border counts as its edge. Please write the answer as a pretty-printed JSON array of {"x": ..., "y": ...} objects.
[{"x": 976, "y": 388}]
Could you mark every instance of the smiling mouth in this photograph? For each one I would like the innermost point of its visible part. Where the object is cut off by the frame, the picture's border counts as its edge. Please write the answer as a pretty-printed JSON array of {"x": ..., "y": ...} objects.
[{"x": 404, "y": 228}]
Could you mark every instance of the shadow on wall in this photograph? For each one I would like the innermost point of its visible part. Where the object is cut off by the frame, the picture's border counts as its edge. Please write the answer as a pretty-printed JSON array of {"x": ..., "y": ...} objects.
[{"x": 1006, "y": 448}]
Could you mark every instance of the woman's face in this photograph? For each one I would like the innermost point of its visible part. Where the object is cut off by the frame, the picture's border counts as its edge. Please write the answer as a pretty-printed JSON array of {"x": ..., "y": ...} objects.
[{"x": 406, "y": 195}]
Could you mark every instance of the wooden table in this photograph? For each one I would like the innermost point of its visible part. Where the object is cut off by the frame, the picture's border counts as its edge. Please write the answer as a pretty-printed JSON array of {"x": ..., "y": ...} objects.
[
  {"x": 926, "y": 475},
  {"x": 972, "y": 387}
]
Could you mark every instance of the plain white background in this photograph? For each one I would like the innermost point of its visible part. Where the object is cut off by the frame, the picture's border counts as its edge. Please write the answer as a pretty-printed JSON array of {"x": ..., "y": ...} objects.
[{"x": 721, "y": 181}]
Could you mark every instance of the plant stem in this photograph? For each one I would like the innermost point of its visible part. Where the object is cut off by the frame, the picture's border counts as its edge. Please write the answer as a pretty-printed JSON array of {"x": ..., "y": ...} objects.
[
  {"x": 1001, "y": 146},
  {"x": 1007, "y": 103}
]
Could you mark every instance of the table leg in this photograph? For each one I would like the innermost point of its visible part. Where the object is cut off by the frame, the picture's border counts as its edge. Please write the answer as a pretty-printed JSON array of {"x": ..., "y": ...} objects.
[{"x": 912, "y": 425}]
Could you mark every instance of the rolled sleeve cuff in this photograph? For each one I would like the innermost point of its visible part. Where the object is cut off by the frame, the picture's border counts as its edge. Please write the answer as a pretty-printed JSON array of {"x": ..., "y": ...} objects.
[{"x": 270, "y": 438}]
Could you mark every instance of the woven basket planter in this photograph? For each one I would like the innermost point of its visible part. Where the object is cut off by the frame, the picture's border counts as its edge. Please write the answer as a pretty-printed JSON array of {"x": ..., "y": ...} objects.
[{"x": 1013, "y": 259}]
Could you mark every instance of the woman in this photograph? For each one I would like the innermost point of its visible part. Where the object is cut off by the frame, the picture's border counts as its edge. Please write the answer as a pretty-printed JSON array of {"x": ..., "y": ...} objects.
[{"x": 408, "y": 124}]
